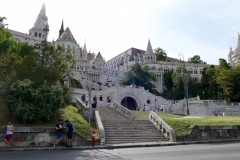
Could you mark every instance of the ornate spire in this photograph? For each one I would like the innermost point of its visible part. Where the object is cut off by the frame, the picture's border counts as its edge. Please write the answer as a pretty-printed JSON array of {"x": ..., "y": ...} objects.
[
  {"x": 85, "y": 54},
  {"x": 149, "y": 48},
  {"x": 61, "y": 29},
  {"x": 42, "y": 20}
]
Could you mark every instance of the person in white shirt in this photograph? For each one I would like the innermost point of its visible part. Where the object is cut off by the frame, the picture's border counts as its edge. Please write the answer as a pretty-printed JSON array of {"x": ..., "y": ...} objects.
[{"x": 9, "y": 134}]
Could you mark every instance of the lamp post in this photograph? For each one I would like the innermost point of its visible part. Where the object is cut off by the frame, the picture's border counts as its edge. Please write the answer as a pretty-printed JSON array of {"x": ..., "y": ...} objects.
[
  {"x": 185, "y": 79},
  {"x": 89, "y": 101},
  {"x": 155, "y": 105},
  {"x": 203, "y": 95}
]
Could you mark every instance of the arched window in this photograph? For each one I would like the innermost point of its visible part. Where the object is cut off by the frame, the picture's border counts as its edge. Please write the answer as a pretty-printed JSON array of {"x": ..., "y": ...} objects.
[
  {"x": 39, "y": 34},
  {"x": 179, "y": 70},
  {"x": 74, "y": 49},
  {"x": 166, "y": 69},
  {"x": 195, "y": 71},
  {"x": 190, "y": 71},
  {"x": 68, "y": 48}
]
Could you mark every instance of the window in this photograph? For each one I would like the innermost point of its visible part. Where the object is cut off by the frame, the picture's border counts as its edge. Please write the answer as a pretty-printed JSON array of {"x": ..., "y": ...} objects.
[
  {"x": 68, "y": 48},
  {"x": 195, "y": 71},
  {"x": 39, "y": 34},
  {"x": 35, "y": 34},
  {"x": 73, "y": 49},
  {"x": 166, "y": 69},
  {"x": 190, "y": 71}
]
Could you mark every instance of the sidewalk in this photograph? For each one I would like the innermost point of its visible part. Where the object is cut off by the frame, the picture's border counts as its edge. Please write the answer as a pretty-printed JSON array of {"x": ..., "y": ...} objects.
[{"x": 114, "y": 146}]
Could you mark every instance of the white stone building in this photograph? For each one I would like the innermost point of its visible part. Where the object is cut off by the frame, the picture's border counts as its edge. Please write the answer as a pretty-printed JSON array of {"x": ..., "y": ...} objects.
[
  {"x": 91, "y": 72},
  {"x": 234, "y": 56}
]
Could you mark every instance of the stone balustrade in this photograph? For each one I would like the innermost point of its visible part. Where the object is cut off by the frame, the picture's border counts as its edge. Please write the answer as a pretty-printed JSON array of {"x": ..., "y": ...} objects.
[
  {"x": 168, "y": 132},
  {"x": 100, "y": 128},
  {"x": 123, "y": 110},
  {"x": 38, "y": 137},
  {"x": 213, "y": 132}
]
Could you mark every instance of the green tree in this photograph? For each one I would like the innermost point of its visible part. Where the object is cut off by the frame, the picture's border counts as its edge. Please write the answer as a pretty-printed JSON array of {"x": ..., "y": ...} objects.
[
  {"x": 196, "y": 59},
  {"x": 161, "y": 55},
  {"x": 223, "y": 63},
  {"x": 32, "y": 103},
  {"x": 140, "y": 76},
  {"x": 8, "y": 62},
  {"x": 53, "y": 62},
  {"x": 177, "y": 91},
  {"x": 6, "y": 41},
  {"x": 167, "y": 80},
  {"x": 229, "y": 80},
  {"x": 2, "y": 22},
  {"x": 214, "y": 88}
]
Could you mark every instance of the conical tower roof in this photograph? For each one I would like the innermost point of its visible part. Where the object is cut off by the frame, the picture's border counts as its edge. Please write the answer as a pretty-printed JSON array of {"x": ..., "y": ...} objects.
[
  {"x": 149, "y": 48},
  {"x": 67, "y": 35},
  {"x": 61, "y": 29},
  {"x": 99, "y": 56},
  {"x": 42, "y": 19}
]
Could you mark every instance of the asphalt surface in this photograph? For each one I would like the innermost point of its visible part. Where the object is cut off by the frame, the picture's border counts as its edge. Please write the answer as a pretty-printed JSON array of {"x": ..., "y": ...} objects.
[
  {"x": 125, "y": 145},
  {"x": 204, "y": 151}
]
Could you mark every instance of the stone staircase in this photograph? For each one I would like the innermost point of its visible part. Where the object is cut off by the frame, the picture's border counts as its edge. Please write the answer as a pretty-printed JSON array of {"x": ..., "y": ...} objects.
[{"x": 119, "y": 129}]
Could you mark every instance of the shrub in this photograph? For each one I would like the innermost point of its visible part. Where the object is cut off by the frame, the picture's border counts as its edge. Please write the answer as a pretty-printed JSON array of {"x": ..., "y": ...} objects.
[{"x": 32, "y": 103}]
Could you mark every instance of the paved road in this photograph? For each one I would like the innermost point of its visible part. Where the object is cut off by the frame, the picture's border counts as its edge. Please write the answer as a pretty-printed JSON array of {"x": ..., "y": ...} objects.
[{"x": 214, "y": 151}]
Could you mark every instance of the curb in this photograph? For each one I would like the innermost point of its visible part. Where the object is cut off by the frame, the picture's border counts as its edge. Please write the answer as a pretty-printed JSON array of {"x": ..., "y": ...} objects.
[{"x": 114, "y": 146}]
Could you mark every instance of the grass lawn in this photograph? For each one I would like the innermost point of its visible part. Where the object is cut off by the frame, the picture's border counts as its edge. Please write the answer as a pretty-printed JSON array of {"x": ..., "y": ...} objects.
[
  {"x": 79, "y": 122},
  {"x": 68, "y": 112},
  {"x": 181, "y": 125}
]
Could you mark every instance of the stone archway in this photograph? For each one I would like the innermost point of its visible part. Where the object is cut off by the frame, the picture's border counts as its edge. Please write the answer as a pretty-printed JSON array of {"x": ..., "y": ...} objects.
[
  {"x": 129, "y": 103},
  {"x": 76, "y": 84}
]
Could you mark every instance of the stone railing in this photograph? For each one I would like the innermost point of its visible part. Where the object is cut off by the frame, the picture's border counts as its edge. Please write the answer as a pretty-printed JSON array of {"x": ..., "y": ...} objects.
[
  {"x": 100, "y": 128},
  {"x": 84, "y": 110},
  {"x": 80, "y": 104},
  {"x": 213, "y": 132},
  {"x": 123, "y": 110},
  {"x": 38, "y": 137},
  {"x": 168, "y": 132}
]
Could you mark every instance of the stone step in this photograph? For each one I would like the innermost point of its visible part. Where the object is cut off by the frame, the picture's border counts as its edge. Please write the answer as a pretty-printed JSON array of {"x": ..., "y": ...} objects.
[{"x": 119, "y": 129}]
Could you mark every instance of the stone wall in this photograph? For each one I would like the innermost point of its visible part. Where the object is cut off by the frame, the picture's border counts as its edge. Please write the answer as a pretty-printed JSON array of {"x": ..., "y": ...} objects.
[
  {"x": 213, "y": 132},
  {"x": 38, "y": 136}
]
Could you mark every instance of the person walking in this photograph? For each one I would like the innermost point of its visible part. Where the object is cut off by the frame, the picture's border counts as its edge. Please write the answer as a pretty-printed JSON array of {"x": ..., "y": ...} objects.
[
  {"x": 69, "y": 127},
  {"x": 109, "y": 102},
  {"x": 59, "y": 129},
  {"x": 94, "y": 104},
  {"x": 9, "y": 134}
]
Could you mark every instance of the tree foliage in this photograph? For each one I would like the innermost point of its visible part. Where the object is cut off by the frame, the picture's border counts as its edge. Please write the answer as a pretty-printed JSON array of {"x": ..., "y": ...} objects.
[
  {"x": 161, "y": 55},
  {"x": 140, "y": 76},
  {"x": 32, "y": 103},
  {"x": 167, "y": 80},
  {"x": 229, "y": 80},
  {"x": 196, "y": 59}
]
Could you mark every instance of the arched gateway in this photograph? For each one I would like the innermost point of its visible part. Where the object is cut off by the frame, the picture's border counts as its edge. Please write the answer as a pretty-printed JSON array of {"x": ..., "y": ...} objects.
[{"x": 129, "y": 103}]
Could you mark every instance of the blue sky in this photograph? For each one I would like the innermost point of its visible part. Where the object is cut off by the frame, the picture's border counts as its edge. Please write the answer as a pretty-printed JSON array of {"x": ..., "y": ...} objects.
[{"x": 192, "y": 27}]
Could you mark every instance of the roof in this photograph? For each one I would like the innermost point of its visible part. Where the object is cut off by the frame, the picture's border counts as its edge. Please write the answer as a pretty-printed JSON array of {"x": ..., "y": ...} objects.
[
  {"x": 67, "y": 35},
  {"x": 99, "y": 56}
]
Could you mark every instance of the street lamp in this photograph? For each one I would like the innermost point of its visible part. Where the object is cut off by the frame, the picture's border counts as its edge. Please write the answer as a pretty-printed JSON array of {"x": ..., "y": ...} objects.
[
  {"x": 185, "y": 79},
  {"x": 155, "y": 105}
]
